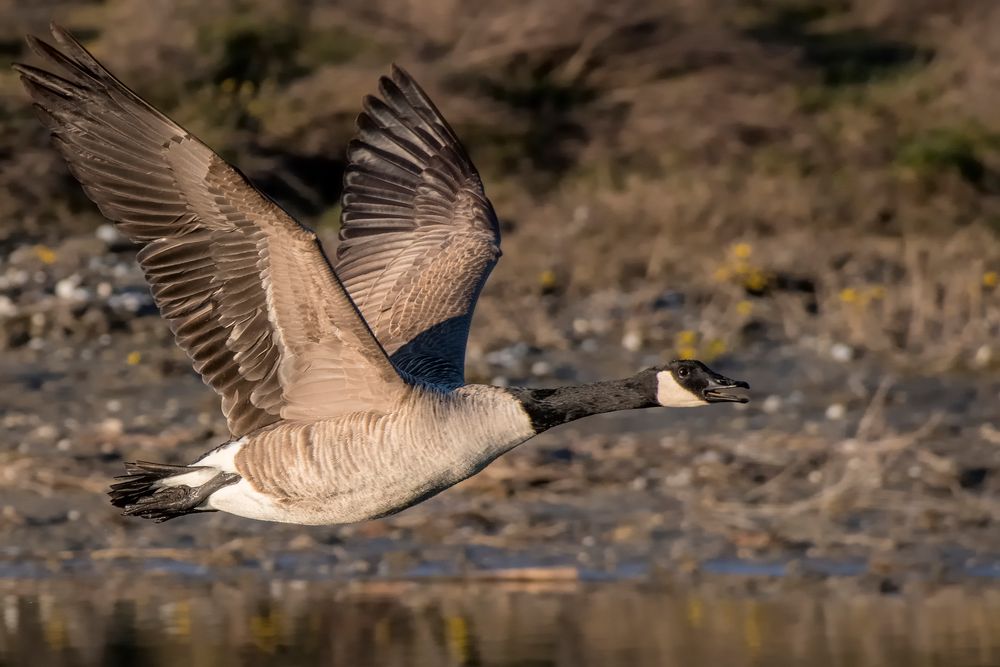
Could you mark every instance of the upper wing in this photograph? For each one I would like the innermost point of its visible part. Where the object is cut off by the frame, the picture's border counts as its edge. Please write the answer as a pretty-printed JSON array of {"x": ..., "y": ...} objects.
[
  {"x": 247, "y": 291},
  {"x": 418, "y": 235}
]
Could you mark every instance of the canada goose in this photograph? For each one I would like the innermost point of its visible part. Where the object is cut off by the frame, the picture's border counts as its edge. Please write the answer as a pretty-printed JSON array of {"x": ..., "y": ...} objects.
[{"x": 343, "y": 387}]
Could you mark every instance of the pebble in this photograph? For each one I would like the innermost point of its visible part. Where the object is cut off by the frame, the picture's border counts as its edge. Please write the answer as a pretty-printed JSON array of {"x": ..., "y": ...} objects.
[
  {"x": 983, "y": 357},
  {"x": 13, "y": 278},
  {"x": 850, "y": 447},
  {"x": 541, "y": 368},
  {"x": 508, "y": 356},
  {"x": 841, "y": 352},
  {"x": 669, "y": 300},
  {"x": 302, "y": 542},
  {"x": 110, "y": 427},
  {"x": 109, "y": 235},
  {"x": 632, "y": 341},
  {"x": 680, "y": 479},
  {"x": 46, "y": 432},
  {"x": 710, "y": 457},
  {"x": 68, "y": 289},
  {"x": 772, "y": 404},
  {"x": 7, "y": 307},
  {"x": 131, "y": 302},
  {"x": 836, "y": 411}
]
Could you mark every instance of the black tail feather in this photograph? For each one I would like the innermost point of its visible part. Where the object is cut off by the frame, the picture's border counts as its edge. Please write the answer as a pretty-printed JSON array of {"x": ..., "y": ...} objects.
[
  {"x": 139, "y": 494},
  {"x": 139, "y": 480}
]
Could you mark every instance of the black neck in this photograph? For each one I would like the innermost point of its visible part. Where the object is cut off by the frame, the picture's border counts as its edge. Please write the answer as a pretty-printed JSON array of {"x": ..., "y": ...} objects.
[{"x": 551, "y": 407}]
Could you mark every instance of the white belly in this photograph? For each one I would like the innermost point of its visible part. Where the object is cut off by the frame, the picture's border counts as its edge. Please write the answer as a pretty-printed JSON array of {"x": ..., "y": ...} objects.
[
  {"x": 243, "y": 500},
  {"x": 360, "y": 468}
]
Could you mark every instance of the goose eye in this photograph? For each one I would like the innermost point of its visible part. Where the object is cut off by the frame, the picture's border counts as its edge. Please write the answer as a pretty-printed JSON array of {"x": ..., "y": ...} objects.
[{"x": 682, "y": 373}]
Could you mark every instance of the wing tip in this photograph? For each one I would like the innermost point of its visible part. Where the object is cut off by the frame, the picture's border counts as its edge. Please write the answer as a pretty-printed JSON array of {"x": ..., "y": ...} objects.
[
  {"x": 63, "y": 36},
  {"x": 39, "y": 83},
  {"x": 399, "y": 74},
  {"x": 66, "y": 62}
]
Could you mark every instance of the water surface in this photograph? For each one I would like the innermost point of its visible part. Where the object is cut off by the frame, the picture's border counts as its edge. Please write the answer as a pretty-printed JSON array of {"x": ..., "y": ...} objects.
[{"x": 152, "y": 621}]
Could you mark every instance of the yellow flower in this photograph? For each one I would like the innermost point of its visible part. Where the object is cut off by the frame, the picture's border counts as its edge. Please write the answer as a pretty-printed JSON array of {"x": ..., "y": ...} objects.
[
  {"x": 255, "y": 107},
  {"x": 849, "y": 295},
  {"x": 991, "y": 279},
  {"x": 755, "y": 281},
  {"x": 741, "y": 250},
  {"x": 744, "y": 308},
  {"x": 715, "y": 349},
  {"x": 228, "y": 86},
  {"x": 547, "y": 279},
  {"x": 46, "y": 254},
  {"x": 133, "y": 358},
  {"x": 686, "y": 352},
  {"x": 686, "y": 338},
  {"x": 876, "y": 293}
]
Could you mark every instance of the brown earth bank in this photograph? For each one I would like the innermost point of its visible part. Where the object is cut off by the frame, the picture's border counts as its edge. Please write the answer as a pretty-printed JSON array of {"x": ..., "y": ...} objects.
[
  {"x": 803, "y": 194},
  {"x": 844, "y": 465}
]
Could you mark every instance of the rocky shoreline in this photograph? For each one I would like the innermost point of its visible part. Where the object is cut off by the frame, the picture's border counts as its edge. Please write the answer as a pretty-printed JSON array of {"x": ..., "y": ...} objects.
[{"x": 841, "y": 467}]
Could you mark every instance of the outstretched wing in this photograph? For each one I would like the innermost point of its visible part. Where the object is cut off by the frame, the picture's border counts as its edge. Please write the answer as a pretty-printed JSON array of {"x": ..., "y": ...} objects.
[
  {"x": 247, "y": 291},
  {"x": 418, "y": 235}
]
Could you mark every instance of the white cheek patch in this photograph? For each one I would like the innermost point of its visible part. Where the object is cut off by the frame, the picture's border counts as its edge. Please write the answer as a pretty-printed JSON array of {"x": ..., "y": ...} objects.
[{"x": 670, "y": 394}]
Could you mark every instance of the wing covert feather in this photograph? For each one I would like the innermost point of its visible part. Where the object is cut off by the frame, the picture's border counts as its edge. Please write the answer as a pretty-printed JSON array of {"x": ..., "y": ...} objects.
[
  {"x": 246, "y": 290},
  {"x": 418, "y": 236}
]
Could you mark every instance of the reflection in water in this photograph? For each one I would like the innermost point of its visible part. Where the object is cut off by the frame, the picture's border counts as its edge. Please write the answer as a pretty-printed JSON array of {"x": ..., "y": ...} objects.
[{"x": 160, "y": 621}]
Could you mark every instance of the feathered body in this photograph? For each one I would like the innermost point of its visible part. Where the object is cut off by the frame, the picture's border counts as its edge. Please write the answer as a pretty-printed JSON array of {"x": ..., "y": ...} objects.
[
  {"x": 366, "y": 465},
  {"x": 343, "y": 385}
]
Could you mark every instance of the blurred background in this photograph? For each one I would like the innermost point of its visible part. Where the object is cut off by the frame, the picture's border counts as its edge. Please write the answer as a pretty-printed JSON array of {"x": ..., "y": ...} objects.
[{"x": 803, "y": 193}]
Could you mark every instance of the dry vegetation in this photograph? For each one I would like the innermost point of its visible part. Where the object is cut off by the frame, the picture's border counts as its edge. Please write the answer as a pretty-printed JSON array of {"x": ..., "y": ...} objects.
[{"x": 853, "y": 145}]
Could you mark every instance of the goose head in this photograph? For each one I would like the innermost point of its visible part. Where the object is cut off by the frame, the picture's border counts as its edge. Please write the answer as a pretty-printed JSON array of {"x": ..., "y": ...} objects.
[{"x": 689, "y": 383}]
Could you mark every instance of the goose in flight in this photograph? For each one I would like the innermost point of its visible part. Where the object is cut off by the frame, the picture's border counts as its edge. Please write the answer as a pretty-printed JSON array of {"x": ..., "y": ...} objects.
[{"x": 343, "y": 386}]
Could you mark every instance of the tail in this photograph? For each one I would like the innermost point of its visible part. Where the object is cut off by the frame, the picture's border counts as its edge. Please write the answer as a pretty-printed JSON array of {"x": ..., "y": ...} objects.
[{"x": 161, "y": 492}]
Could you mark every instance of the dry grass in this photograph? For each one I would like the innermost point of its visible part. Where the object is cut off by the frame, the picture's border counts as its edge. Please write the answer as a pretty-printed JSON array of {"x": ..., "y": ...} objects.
[{"x": 853, "y": 145}]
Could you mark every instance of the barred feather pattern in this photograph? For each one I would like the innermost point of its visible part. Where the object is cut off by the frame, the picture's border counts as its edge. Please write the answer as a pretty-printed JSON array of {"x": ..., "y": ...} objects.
[
  {"x": 418, "y": 236},
  {"x": 247, "y": 291}
]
